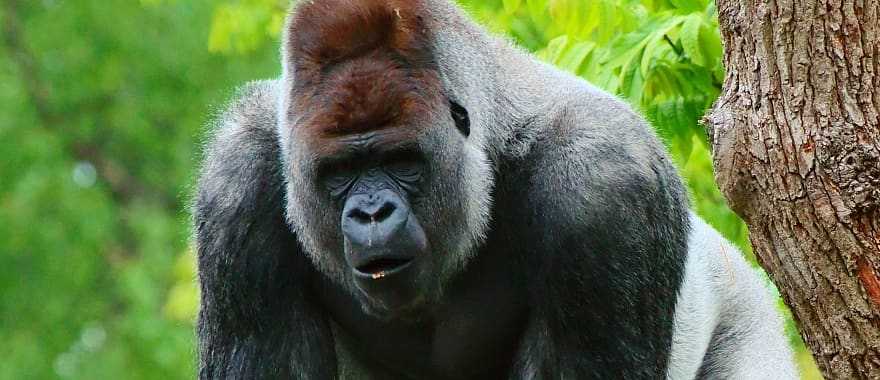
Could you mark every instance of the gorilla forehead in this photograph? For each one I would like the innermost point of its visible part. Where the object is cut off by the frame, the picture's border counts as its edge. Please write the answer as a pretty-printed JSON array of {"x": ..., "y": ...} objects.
[
  {"x": 369, "y": 94},
  {"x": 361, "y": 66}
]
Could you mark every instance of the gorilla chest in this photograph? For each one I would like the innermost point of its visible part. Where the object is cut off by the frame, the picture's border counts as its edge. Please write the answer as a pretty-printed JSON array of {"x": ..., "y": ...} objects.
[{"x": 475, "y": 333}]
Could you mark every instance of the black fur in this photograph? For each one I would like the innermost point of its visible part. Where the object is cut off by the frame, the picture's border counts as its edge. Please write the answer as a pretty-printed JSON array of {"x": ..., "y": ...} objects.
[{"x": 256, "y": 319}]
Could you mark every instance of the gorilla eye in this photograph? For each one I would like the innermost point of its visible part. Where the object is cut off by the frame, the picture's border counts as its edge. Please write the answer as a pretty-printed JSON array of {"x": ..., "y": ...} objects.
[
  {"x": 339, "y": 185},
  {"x": 460, "y": 115},
  {"x": 406, "y": 171},
  {"x": 337, "y": 177}
]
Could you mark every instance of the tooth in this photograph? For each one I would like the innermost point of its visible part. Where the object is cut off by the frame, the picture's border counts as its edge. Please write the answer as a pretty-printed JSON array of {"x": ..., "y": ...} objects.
[{"x": 378, "y": 275}]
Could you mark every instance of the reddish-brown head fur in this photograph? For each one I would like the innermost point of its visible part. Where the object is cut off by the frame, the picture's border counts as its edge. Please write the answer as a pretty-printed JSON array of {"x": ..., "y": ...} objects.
[{"x": 361, "y": 65}]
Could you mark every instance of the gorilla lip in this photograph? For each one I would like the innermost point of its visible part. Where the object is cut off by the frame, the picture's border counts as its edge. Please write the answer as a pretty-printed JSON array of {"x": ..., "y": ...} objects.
[{"x": 382, "y": 267}]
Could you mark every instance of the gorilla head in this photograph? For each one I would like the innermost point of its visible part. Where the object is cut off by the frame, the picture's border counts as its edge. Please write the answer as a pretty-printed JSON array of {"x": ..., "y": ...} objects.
[{"x": 377, "y": 153}]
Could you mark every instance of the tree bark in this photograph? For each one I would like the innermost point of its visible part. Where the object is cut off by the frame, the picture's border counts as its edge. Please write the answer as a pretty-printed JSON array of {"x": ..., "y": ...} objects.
[{"x": 796, "y": 141}]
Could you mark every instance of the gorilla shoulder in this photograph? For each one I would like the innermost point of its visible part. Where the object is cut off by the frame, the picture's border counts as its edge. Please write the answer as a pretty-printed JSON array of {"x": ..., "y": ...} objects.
[
  {"x": 253, "y": 108},
  {"x": 242, "y": 149}
]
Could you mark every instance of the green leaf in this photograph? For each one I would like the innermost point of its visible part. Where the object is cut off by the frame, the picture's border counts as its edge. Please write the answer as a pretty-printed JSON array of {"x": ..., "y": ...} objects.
[
  {"x": 688, "y": 5},
  {"x": 626, "y": 48},
  {"x": 633, "y": 84},
  {"x": 710, "y": 45},
  {"x": 656, "y": 47},
  {"x": 573, "y": 57},
  {"x": 537, "y": 10},
  {"x": 511, "y": 6},
  {"x": 554, "y": 49},
  {"x": 607, "y": 17},
  {"x": 690, "y": 38},
  {"x": 592, "y": 20}
]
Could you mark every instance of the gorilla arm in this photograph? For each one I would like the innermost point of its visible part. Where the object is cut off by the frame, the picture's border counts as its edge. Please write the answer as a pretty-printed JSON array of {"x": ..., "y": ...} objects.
[
  {"x": 256, "y": 320},
  {"x": 604, "y": 217}
]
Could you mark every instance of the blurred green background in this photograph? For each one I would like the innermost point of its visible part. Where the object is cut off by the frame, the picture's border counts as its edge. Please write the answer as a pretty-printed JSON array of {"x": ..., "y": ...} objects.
[{"x": 103, "y": 108}]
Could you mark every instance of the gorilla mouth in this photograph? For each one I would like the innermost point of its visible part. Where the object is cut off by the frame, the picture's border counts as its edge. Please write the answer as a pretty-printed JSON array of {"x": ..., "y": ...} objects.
[{"x": 383, "y": 266}]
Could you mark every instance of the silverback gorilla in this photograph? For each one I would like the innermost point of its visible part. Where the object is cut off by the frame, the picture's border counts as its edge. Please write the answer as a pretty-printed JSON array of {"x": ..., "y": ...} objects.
[{"x": 415, "y": 199}]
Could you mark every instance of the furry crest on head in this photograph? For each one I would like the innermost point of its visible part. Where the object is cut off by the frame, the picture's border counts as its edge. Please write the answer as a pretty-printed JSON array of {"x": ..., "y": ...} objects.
[{"x": 359, "y": 65}]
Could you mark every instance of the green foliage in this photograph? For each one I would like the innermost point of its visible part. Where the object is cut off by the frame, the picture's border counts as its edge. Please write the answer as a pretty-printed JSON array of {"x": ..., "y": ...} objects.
[
  {"x": 244, "y": 25},
  {"x": 102, "y": 109}
]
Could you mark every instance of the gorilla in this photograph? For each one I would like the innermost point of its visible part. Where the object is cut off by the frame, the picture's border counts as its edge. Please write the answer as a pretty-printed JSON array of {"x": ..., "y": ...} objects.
[{"x": 416, "y": 199}]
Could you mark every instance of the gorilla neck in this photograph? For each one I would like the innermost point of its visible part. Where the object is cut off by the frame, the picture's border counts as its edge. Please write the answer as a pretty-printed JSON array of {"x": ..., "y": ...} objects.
[{"x": 474, "y": 336}]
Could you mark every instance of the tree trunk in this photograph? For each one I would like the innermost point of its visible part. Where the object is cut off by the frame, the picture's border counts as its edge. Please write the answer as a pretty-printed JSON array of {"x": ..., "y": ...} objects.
[{"x": 796, "y": 141}]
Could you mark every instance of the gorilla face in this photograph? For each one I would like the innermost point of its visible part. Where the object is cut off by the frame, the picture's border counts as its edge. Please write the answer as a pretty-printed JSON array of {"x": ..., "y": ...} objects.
[
  {"x": 386, "y": 211},
  {"x": 386, "y": 250}
]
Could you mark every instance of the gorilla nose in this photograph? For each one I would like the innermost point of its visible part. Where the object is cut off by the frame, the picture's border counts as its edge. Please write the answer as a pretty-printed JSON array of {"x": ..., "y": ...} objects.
[
  {"x": 372, "y": 220},
  {"x": 377, "y": 212},
  {"x": 381, "y": 233}
]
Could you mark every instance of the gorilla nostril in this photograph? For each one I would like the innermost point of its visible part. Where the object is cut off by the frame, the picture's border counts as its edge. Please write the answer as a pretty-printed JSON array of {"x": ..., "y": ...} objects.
[
  {"x": 384, "y": 212},
  {"x": 360, "y": 216}
]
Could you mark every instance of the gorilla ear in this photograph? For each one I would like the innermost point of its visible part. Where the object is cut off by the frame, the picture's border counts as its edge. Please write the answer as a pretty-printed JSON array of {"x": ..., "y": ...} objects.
[{"x": 460, "y": 115}]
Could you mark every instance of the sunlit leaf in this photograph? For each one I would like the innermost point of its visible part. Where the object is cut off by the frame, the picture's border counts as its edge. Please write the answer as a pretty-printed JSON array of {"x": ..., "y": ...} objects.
[
  {"x": 554, "y": 49},
  {"x": 633, "y": 84},
  {"x": 573, "y": 57},
  {"x": 511, "y": 6},
  {"x": 537, "y": 9},
  {"x": 710, "y": 45},
  {"x": 688, "y": 5},
  {"x": 690, "y": 38}
]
